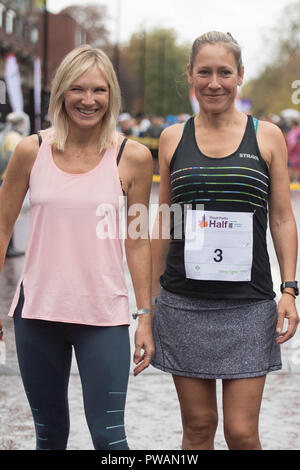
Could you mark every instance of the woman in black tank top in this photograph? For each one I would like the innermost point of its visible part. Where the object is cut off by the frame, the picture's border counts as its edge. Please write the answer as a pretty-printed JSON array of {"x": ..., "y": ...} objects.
[{"x": 216, "y": 317}]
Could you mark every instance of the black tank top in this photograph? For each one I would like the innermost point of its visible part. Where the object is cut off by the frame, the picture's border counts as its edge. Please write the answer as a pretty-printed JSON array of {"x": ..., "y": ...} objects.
[{"x": 238, "y": 183}]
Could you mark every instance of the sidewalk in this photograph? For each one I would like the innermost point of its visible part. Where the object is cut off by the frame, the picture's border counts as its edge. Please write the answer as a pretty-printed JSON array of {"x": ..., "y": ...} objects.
[
  {"x": 153, "y": 420},
  {"x": 152, "y": 414}
]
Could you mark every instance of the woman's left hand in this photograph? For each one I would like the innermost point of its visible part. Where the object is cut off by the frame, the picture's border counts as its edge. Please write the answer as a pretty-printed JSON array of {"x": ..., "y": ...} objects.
[
  {"x": 286, "y": 309},
  {"x": 144, "y": 345}
]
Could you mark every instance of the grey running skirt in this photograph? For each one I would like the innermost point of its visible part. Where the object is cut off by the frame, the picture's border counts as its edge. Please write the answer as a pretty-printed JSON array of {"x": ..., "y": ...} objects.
[{"x": 215, "y": 339}]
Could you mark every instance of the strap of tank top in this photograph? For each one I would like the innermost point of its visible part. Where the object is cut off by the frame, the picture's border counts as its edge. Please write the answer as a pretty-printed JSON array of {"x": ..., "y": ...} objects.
[
  {"x": 121, "y": 150},
  {"x": 255, "y": 122},
  {"x": 40, "y": 138}
]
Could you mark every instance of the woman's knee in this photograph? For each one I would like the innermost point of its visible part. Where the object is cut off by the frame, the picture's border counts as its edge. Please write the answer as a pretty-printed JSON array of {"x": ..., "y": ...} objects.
[
  {"x": 51, "y": 434},
  {"x": 241, "y": 436},
  {"x": 200, "y": 428},
  {"x": 103, "y": 441}
]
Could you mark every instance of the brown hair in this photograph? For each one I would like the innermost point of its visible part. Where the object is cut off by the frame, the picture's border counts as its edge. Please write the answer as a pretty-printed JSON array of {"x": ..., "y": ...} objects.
[{"x": 213, "y": 37}]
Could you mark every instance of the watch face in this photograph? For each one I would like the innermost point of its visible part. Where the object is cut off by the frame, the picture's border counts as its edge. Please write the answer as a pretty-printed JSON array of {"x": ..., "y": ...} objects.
[{"x": 290, "y": 284}]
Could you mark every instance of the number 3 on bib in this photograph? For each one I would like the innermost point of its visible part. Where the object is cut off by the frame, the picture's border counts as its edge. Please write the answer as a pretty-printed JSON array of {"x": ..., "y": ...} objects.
[
  {"x": 219, "y": 257},
  {"x": 218, "y": 245}
]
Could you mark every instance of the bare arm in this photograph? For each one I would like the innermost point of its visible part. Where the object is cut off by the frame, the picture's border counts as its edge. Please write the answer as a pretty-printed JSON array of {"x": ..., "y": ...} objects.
[
  {"x": 138, "y": 160},
  {"x": 14, "y": 189},
  {"x": 161, "y": 234},
  {"x": 282, "y": 226}
]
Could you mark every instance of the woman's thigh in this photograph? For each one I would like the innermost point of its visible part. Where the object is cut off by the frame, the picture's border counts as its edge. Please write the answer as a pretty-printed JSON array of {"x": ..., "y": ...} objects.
[
  {"x": 44, "y": 359},
  {"x": 103, "y": 357},
  {"x": 241, "y": 406},
  {"x": 198, "y": 401}
]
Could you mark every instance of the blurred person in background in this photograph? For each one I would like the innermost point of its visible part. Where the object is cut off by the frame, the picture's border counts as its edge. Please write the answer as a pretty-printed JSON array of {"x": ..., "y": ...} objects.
[
  {"x": 125, "y": 124},
  {"x": 284, "y": 126},
  {"x": 17, "y": 127},
  {"x": 156, "y": 127},
  {"x": 144, "y": 124},
  {"x": 153, "y": 132},
  {"x": 293, "y": 145}
]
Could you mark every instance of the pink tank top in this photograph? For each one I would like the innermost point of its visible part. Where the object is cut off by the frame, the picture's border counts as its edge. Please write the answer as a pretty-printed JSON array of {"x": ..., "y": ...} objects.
[{"x": 73, "y": 270}]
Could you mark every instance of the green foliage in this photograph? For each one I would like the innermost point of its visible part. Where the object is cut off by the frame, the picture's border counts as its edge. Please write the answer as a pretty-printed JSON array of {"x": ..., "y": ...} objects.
[
  {"x": 271, "y": 91},
  {"x": 159, "y": 64}
]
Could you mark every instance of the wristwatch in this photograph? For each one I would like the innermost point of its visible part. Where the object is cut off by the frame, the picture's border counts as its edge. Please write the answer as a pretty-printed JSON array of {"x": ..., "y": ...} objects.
[
  {"x": 141, "y": 311},
  {"x": 290, "y": 284}
]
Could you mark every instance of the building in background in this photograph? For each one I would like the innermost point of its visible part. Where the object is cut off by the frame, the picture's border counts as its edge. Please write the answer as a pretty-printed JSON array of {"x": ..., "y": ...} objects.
[
  {"x": 33, "y": 42},
  {"x": 19, "y": 45},
  {"x": 59, "y": 34}
]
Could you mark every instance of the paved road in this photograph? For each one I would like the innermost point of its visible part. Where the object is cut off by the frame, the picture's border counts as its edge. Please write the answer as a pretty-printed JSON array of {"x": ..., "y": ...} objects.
[{"x": 153, "y": 415}]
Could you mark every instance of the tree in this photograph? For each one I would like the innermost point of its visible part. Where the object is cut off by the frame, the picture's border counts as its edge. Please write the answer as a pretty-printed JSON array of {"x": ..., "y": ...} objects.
[
  {"x": 288, "y": 32},
  {"x": 92, "y": 18},
  {"x": 158, "y": 65},
  {"x": 271, "y": 91}
]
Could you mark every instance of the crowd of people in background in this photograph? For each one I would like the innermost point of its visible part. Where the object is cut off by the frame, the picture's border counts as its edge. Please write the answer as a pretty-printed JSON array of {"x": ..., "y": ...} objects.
[
  {"x": 142, "y": 126},
  {"x": 150, "y": 127},
  {"x": 147, "y": 126},
  {"x": 16, "y": 127},
  {"x": 289, "y": 123},
  {"x": 293, "y": 145}
]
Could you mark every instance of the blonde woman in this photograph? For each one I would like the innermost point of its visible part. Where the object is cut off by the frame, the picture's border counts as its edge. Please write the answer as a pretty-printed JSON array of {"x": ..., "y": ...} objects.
[
  {"x": 72, "y": 291},
  {"x": 216, "y": 317}
]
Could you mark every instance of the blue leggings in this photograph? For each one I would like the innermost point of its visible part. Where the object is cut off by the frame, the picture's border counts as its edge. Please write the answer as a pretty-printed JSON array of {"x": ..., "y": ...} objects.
[{"x": 44, "y": 351}]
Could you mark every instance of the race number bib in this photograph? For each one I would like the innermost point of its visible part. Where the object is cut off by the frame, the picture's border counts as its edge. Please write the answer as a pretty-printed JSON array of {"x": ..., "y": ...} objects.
[{"x": 218, "y": 245}]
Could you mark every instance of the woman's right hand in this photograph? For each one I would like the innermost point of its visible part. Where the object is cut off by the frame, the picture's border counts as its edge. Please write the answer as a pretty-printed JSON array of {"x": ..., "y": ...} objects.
[{"x": 144, "y": 345}]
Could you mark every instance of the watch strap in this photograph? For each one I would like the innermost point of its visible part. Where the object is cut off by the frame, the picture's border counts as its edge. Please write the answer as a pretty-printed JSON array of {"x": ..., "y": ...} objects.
[
  {"x": 290, "y": 285},
  {"x": 141, "y": 311}
]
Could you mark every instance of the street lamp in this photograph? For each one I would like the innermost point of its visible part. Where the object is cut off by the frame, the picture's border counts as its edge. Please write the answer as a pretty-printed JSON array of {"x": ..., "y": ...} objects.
[
  {"x": 118, "y": 39},
  {"x": 41, "y": 6},
  {"x": 45, "y": 46}
]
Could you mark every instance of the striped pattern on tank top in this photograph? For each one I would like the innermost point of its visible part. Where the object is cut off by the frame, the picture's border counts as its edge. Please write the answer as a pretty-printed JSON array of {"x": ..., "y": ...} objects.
[{"x": 220, "y": 184}]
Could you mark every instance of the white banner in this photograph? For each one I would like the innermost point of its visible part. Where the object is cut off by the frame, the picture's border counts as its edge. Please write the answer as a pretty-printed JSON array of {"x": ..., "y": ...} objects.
[{"x": 13, "y": 83}]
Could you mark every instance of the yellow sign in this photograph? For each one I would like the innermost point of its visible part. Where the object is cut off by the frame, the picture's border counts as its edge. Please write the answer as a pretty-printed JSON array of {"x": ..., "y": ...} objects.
[
  {"x": 147, "y": 141},
  {"x": 39, "y": 4}
]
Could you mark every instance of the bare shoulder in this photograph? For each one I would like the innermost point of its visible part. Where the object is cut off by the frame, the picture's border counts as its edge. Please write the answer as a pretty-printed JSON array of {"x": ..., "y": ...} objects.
[
  {"x": 172, "y": 132},
  {"x": 17, "y": 176},
  {"x": 30, "y": 143},
  {"x": 137, "y": 153},
  {"x": 268, "y": 129},
  {"x": 26, "y": 151},
  {"x": 271, "y": 142},
  {"x": 169, "y": 140}
]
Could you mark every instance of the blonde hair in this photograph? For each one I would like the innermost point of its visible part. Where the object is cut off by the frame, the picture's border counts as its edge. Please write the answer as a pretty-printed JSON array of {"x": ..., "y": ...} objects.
[
  {"x": 72, "y": 66},
  {"x": 213, "y": 37}
]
